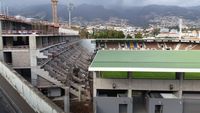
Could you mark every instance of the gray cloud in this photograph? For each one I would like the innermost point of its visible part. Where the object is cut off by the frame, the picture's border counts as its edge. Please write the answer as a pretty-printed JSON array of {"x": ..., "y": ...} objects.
[{"x": 106, "y": 2}]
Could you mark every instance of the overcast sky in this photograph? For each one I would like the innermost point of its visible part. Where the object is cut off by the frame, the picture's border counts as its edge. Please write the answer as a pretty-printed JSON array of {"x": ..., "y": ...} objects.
[{"x": 108, "y": 2}]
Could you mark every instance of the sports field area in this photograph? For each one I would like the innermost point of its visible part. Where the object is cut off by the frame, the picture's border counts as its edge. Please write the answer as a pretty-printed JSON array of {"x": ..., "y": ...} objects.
[
  {"x": 146, "y": 59},
  {"x": 148, "y": 75},
  {"x": 147, "y": 64}
]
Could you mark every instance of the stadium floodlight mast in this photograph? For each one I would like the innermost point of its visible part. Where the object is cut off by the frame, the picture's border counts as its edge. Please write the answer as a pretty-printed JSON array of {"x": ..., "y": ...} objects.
[
  {"x": 2, "y": 10},
  {"x": 70, "y": 8},
  {"x": 1, "y": 7},
  {"x": 180, "y": 28},
  {"x": 7, "y": 11}
]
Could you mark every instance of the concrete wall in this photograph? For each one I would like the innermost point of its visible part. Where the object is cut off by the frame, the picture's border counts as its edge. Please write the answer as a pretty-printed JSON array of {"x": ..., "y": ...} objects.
[
  {"x": 21, "y": 58},
  {"x": 191, "y": 105},
  {"x": 111, "y": 104},
  {"x": 136, "y": 84},
  {"x": 191, "y": 85},
  {"x": 169, "y": 105},
  {"x": 143, "y": 84},
  {"x": 68, "y": 31},
  {"x": 54, "y": 92},
  {"x": 34, "y": 98}
]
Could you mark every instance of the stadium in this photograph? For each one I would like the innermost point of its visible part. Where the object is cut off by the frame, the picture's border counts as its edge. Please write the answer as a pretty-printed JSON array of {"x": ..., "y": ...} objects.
[
  {"x": 146, "y": 76},
  {"x": 120, "y": 76}
]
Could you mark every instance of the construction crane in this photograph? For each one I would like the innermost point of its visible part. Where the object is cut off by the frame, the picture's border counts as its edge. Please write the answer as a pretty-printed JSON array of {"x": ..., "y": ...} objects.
[
  {"x": 55, "y": 12},
  {"x": 54, "y": 4}
]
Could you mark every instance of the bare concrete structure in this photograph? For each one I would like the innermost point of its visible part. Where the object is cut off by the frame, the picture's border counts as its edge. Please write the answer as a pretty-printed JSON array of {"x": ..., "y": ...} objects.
[
  {"x": 116, "y": 80},
  {"x": 37, "y": 51},
  {"x": 26, "y": 56},
  {"x": 164, "y": 103},
  {"x": 52, "y": 61},
  {"x": 191, "y": 103},
  {"x": 113, "y": 105}
]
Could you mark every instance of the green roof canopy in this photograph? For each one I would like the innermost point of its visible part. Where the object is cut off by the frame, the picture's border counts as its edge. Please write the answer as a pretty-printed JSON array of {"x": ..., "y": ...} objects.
[{"x": 149, "y": 61}]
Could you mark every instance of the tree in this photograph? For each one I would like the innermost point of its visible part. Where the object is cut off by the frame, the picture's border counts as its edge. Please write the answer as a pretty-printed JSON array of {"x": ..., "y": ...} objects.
[
  {"x": 155, "y": 32},
  {"x": 109, "y": 34},
  {"x": 84, "y": 33},
  {"x": 138, "y": 35},
  {"x": 121, "y": 34}
]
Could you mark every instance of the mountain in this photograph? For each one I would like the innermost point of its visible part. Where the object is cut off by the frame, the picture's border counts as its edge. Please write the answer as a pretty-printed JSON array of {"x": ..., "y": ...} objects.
[{"x": 136, "y": 15}]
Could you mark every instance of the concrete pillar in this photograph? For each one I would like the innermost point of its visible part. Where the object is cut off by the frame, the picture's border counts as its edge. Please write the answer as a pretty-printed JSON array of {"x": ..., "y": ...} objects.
[
  {"x": 130, "y": 93},
  {"x": 129, "y": 80},
  {"x": 79, "y": 93},
  {"x": 180, "y": 76},
  {"x": 94, "y": 85},
  {"x": 94, "y": 91},
  {"x": 33, "y": 58},
  {"x": 66, "y": 101},
  {"x": 32, "y": 42},
  {"x": 1, "y": 42}
]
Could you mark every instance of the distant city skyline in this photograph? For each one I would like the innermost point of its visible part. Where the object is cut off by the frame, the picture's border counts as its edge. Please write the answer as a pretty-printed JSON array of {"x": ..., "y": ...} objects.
[{"x": 123, "y": 3}]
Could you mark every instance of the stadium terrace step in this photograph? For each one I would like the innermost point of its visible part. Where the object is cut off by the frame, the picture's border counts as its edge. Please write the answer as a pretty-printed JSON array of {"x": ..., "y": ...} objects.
[
  {"x": 77, "y": 86},
  {"x": 44, "y": 74},
  {"x": 77, "y": 79},
  {"x": 55, "y": 73},
  {"x": 74, "y": 92},
  {"x": 41, "y": 55},
  {"x": 58, "y": 70}
]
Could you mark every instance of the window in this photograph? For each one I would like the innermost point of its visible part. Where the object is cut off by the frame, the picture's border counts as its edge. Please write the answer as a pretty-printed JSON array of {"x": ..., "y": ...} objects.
[
  {"x": 123, "y": 108},
  {"x": 159, "y": 109},
  {"x": 8, "y": 57}
]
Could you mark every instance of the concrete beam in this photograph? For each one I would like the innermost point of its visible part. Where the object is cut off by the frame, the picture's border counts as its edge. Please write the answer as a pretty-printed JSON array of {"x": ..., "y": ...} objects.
[
  {"x": 1, "y": 42},
  {"x": 136, "y": 84},
  {"x": 66, "y": 100}
]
